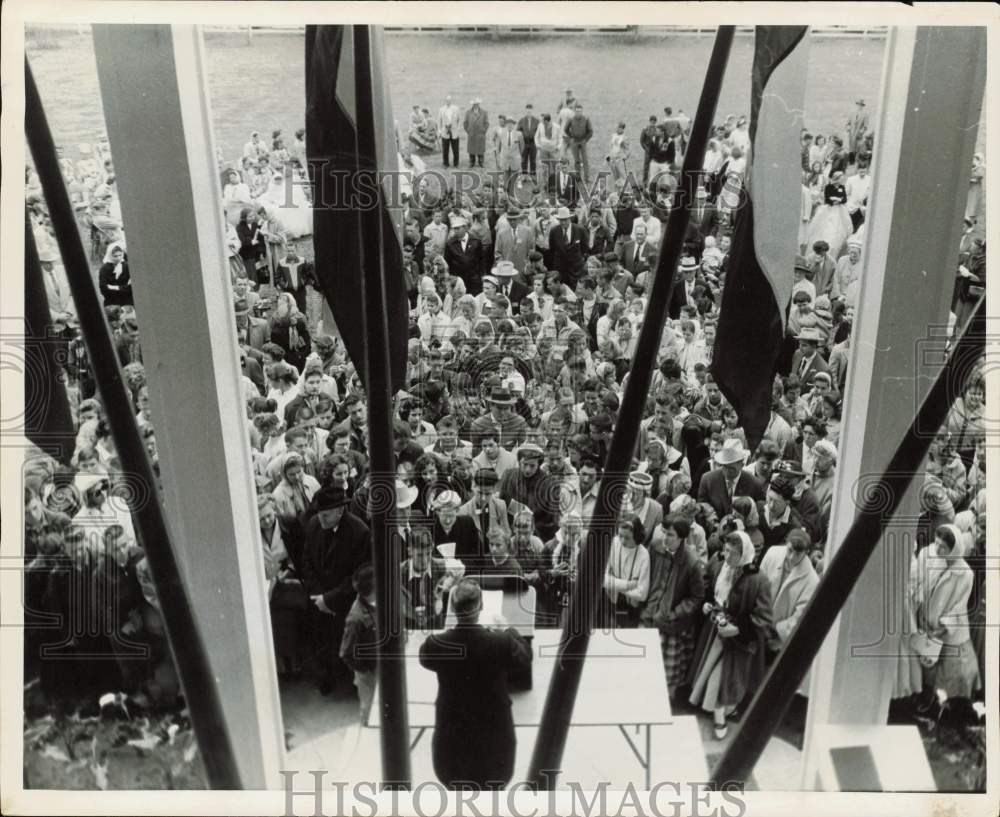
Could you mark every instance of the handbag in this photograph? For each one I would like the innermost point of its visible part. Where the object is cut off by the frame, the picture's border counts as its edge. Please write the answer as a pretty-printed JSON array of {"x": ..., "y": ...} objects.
[{"x": 290, "y": 594}]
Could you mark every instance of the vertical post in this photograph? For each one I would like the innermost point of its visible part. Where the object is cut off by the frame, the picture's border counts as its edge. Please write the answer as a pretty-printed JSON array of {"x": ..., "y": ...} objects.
[
  {"x": 153, "y": 85},
  {"x": 386, "y": 556},
  {"x": 930, "y": 106}
]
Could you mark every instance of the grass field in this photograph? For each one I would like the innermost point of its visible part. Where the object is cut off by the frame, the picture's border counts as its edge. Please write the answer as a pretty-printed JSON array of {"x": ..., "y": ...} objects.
[{"x": 260, "y": 85}]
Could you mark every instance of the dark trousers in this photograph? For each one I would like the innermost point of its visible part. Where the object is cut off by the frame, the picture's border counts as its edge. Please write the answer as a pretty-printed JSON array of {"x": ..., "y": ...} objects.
[
  {"x": 645, "y": 168},
  {"x": 475, "y": 156},
  {"x": 528, "y": 158},
  {"x": 857, "y": 219},
  {"x": 453, "y": 144}
]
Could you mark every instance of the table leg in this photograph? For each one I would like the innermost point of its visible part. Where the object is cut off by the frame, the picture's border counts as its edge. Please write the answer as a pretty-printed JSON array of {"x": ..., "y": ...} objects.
[
  {"x": 645, "y": 761},
  {"x": 416, "y": 740}
]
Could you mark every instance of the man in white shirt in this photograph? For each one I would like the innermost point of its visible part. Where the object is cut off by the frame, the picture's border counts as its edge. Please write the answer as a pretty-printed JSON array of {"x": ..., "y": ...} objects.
[
  {"x": 254, "y": 149},
  {"x": 651, "y": 223},
  {"x": 449, "y": 120},
  {"x": 741, "y": 136},
  {"x": 436, "y": 233},
  {"x": 858, "y": 186},
  {"x": 548, "y": 138}
]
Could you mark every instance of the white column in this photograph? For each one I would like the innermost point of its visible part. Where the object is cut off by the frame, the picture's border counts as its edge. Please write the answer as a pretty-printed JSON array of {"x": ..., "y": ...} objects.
[
  {"x": 928, "y": 118},
  {"x": 154, "y": 89}
]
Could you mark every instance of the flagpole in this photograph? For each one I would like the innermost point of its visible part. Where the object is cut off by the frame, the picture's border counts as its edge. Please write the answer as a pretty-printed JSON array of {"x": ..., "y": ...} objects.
[
  {"x": 386, "y": 556},
  {"x": 201, "y": 691},
  {"x": 839, "y": 577},
  {"x": 588, "y": 590}
]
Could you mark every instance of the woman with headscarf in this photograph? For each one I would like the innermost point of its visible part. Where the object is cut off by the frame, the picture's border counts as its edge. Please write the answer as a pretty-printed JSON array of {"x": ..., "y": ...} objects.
[
  {"x": 114, "y": 279},
  {"x": 831, "y": 222},
  {"x": 729, "y": 660},
  {"x": 939, "y": 589},
  {"x": 290, "y": 331}
]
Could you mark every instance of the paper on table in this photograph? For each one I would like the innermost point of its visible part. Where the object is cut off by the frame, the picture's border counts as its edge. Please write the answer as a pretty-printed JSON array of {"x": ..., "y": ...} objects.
[
  {"x": 492, "y": 604},
  {"x": 447, "y": 550}
]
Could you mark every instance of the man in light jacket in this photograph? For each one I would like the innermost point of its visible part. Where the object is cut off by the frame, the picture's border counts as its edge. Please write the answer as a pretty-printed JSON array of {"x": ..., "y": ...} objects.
[
  {"x": 548, "y": 139},
  {"x": 449, "y": 120}
]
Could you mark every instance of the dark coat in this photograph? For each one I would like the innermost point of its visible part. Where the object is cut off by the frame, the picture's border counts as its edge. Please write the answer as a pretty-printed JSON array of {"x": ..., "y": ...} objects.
[
  {"x": 465, "y": 535},
  {"x": 281, "y": 335},
  {"x": 817, "y": 364},
  {"x": 474, "y": 738},
  {"x": 540, "y": 493},
  {"x": 567, "y": 255},
  {"x": 626, "y": 255},
  {"x": 115, "y": 291},
  {"x": 678, "y": 607},
  {"x": 776, "y": 535},
  {"x": 569, "y": 191},
  {"x": 329, "y": 559},
  {"x": 712, "y": 489},
  {"x": 470, "y": 265},
  {"x": 744, "y": 655}
]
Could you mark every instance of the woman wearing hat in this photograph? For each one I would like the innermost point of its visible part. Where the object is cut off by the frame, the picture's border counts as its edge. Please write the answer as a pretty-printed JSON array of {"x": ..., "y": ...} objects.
[
  {"x": 729, "y": 659},
  {"x": 832, "y": 222},
  {"x": 776, "y": 514}
]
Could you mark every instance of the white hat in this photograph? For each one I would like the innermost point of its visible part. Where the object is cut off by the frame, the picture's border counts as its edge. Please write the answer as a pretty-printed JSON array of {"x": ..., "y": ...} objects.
[
  {"x": 505, "y": 269},
  {"x": 459, "y": 221},
  {"x": 563, "y": 213},
  {"x": 46, "y": 254},
  {"x": 492, "y": 279},
  {"x": 732, "y": 451},
  {"x": 854, "y": 241},
  {"x": 688, "y": 263},
  {"x": 406, "y": 495},
  {"x": 446, "y": 499},
  {"x": 826, "y": 447},
  {"x": 810, "y": 333}
]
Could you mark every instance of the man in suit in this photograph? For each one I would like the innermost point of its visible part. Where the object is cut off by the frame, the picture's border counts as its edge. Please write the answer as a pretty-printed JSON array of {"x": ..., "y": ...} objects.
[
  {"x": 474, "y": 741},
  {"x": 721, "y": 484},
  {"x": 465, "y": 256},
  {"x": 807, "y": 360},
  {"x": 686, "y": 285},
  {"x": 704, "y": 216},
  {"x": 485, "y": 508},
  {"x": 336, "y": 543},
  {"x": 823, "y": 267},
  {"x": 646, "y": 139},
  {"x": 598, "y": 241},
  {"x": 566, "y": 242},
  {"x": 857, "y": 127},
  {"x": 635, "y": 254},
  {"x": 514, "y": 240},
  {"x": 424, "y": 581},
  {"x": 509, "y": 286},
  {"x": 527, "y": 126},
  {"x": 511, "y": 146},
  {"x": 564, "y": 184},
  {"x": 250, "y": 331}
]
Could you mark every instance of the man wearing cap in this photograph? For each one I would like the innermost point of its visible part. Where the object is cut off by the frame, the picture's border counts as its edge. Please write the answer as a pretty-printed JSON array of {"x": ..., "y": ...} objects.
[
  {"x": 857, "y": 127},
  {"x": 728, "y": 479},
  {"x": 566, "y": 242},
  {"x": 465, "y": 256},
  {"x": 807, "y": 361},
  {"x": 250, "y": 331},
  {"x": 474, "y": 742},
  {"x": 530, "y": 486},
  {"x": 336, "y": 543},
  {"x": 527, "y": 126},
  {"x": 638, "y": 502},
  {"x": 61, "y": 306}
]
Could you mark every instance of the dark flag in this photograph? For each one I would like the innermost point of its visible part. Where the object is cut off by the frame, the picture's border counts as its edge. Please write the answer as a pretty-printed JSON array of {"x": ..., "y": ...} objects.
[
  {"x": 758, "y": 285},
  {"x": 48, "y": 422},
  {"x": 338, "y": 192}
]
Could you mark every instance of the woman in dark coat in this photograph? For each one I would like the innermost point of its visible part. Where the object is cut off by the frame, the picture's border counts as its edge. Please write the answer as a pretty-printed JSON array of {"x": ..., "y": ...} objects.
[
  {"x": 114, "y": 278},
  {"x": 676, "y": 593},
  {"x": 775, "y": 515},
  {"x": 252, "y": 243},
  {"x": 729, "y": 659}
]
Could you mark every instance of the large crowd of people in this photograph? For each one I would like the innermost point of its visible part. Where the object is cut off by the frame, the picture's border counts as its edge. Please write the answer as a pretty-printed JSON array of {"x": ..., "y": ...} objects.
[{"x": 526, "y": 297}]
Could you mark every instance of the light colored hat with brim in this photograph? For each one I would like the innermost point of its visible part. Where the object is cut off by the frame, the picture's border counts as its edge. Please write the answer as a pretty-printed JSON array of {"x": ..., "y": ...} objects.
[
  {"x": 459, "y": 221},
  {"x": 406, "y": 495},
  {"x": 446, "y": 499},
  {"x": 505, "y": 269},
  {"x": 854, "y": 241},
  {"x": 46, "y": 254},
  {"x": 492, "y": 279},
  {"x": 83, "y": 481},
  {"x": 688, "y": 263},
  {"x": 563, "y": 214},
  {"x": 810, "y": 333},
  {"x": 732, "y": 452},
  {"x": 640, "y": 480}
]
